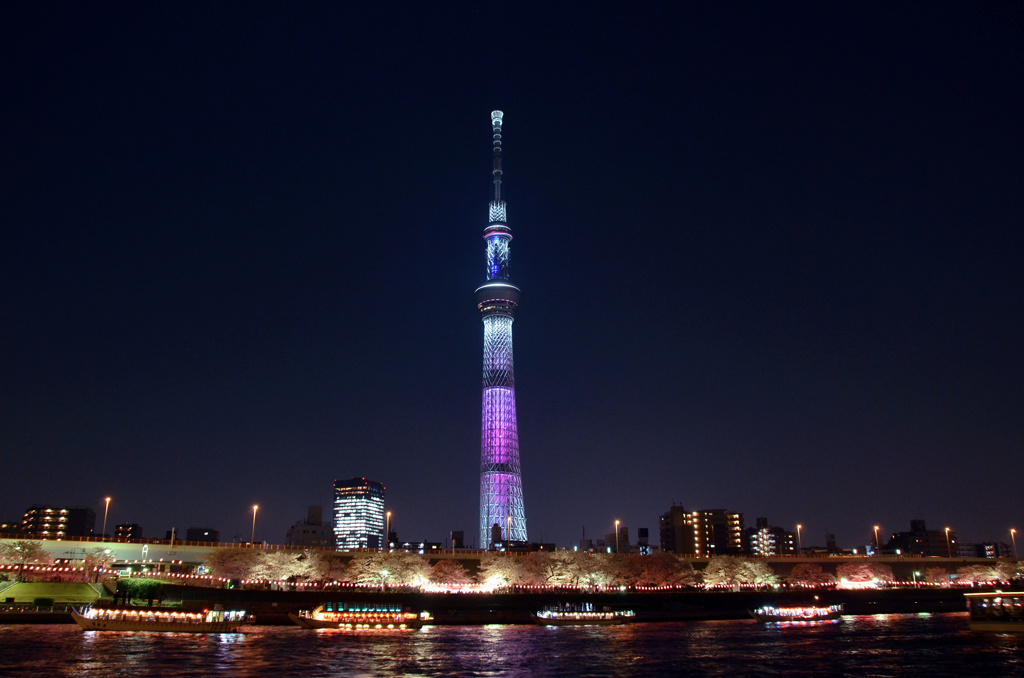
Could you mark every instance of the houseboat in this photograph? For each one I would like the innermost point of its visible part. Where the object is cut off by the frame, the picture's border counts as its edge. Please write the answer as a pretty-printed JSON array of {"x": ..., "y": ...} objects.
[
  {"x": 357, "y": 617},
  {"x": 159, "y": 619},
  {"x": 810, "y": 613},
  {"x": 996, "y": 611},
  {"x": 575, "y": 615}
]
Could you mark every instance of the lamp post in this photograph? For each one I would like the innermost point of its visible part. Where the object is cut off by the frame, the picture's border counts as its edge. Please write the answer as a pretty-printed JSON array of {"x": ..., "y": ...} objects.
[
  {"x": 799, "y": 544},
  {"x": 616, "y": 536},
  {"x": 387, "y": 529},
  {"x": 1013, "y": 538},
  {"x": 878, "y": 546},
  {"x": 105, "y": 510},
  {"x": 508, "y": 537},
  {"x": 252, "y": 540},
  {"x": 949, "y": 548}
]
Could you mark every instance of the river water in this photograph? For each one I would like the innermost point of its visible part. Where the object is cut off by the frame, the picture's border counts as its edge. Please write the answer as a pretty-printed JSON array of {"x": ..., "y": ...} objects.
[{"x": 881, "y": 645}]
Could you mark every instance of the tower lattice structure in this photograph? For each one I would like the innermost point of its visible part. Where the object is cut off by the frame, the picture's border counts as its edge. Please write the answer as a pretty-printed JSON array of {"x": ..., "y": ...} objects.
[{"x": 501, "y": 482}]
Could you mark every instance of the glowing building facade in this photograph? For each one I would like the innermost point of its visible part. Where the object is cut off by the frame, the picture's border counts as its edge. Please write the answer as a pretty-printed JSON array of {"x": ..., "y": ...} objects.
[
  {"x": 701, "y": 533},
  {"x": 501, "y": 483},
  {"x": 358, "y": 514},
  {"x": 58, "y": 522}
]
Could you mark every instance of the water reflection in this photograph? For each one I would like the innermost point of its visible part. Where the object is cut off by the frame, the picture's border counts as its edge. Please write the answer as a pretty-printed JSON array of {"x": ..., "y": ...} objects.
[{"x": 909, "y": 645}]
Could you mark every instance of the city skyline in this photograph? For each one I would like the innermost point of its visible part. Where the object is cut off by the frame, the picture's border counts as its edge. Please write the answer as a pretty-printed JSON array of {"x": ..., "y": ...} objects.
[
  {"x": 360, "y": 520},
  {"x": 770, "y": 258}
]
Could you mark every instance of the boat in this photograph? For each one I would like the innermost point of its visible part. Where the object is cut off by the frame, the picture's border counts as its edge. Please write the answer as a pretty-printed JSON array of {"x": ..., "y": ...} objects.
[
  {"x": 996, "y": 611},
  {"x": 159, "y": 619},
  {"x": 358, "y": 617},
  {"x": 573, "y": 615},
  {"x": 804, "y": 614}
]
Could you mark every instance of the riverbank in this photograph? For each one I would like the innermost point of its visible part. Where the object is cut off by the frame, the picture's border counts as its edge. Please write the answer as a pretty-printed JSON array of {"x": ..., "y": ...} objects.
[{"x": 272, "y": 607}]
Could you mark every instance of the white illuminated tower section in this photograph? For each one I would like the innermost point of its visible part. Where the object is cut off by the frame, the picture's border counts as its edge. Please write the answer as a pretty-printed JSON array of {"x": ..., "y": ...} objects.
[{"x": 501, "y": 483}]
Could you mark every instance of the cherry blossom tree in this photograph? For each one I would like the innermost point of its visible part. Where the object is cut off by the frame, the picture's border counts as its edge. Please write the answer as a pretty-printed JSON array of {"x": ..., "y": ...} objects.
[
  {"x": 996, "y": 571},
  {"x": 232, "y": 562},
  {"x": 864, "y": 571},
  {"x": 94, "y": 560},
  {"x": 736, "y": 571},
  {"x": 383, "y": 568},
  {"x": 276, "y": 566},
  {"x": 24, "y": 552},
  {"x": 657, "y": 569},
  {"x": 570, "y": 567},
  {"x": 498, "y": 570},
  {"x": 449, "y": 573},
  {"x": 597, "y": 570},
  {"x": 810, "y": 574},
  {"x": 326, "y": 566},
  {"x": 937, "y": 575}
]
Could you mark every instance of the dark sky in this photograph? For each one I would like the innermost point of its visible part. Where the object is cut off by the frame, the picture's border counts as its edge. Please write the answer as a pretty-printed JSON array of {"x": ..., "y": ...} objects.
[{"x": 771, "y": 259}]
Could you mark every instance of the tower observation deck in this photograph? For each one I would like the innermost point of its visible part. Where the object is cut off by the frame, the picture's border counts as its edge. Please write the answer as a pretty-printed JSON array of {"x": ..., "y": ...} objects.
[{"x": 501, "y": 483}]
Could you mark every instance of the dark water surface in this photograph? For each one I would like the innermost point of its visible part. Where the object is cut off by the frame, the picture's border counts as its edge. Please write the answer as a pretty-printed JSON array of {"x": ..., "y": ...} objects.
[{"x": 882, "y": 645}]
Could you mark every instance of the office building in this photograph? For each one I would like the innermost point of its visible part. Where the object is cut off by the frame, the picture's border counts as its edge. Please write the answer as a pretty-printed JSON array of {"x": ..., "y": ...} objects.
[{"x": 358, "y": 514}]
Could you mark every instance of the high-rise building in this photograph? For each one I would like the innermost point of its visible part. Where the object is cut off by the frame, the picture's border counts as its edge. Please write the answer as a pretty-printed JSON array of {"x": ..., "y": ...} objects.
[
  {"x": 768, "y": 540},
  {"x": 718, "y": 532},
  {"x": 501, "y": 483},
  {"x": 58, "y": 522},
  {"x": 676, "y": 531},
  {"x": 701, "y": 533},
  {"x": 358, "y": 514}
]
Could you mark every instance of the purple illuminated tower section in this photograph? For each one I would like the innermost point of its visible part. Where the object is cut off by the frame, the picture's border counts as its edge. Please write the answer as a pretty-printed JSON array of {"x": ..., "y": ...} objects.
[{"x": 501, "y": 484}]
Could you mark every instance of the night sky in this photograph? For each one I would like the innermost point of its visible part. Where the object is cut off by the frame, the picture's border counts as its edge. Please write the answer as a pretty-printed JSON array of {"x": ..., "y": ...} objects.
[{"x": 771, "y": 261}]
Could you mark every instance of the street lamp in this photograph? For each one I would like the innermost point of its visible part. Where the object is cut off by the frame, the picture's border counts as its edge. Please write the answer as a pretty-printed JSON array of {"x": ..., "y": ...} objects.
[
  {"x": 1013, "y": 538},
  {"x": 799, "y": 545},
  {"x": 616, "y": 536},
  {"x": 949, "y": 548},
  {"x": 508, "y": 537},
  {"x": 252, "y": 540},
  {"x": 387, "y": 529},
  {"x": 105, "y": 510},
  {"x": 878, "y": 546}
]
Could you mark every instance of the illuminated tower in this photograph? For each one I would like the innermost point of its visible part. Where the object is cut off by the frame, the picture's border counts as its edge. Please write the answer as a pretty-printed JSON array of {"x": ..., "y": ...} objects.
[{"x": 501, "y": 484}]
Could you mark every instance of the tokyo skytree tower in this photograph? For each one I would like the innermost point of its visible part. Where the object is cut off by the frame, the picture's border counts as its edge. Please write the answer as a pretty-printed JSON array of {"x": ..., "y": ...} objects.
[{"x": 501, "y": 484}]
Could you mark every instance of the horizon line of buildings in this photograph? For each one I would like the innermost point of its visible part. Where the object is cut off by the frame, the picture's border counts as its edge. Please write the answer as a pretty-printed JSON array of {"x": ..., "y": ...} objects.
[{"x": 359, "y": 521}]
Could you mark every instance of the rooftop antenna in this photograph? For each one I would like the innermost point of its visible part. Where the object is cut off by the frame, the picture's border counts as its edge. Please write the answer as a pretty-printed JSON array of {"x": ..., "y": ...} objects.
[{"x": 496, "y": 130}]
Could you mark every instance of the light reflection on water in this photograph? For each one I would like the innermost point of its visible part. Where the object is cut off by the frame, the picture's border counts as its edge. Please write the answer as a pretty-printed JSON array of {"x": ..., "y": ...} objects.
[{"x": 882, "y": 645}]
